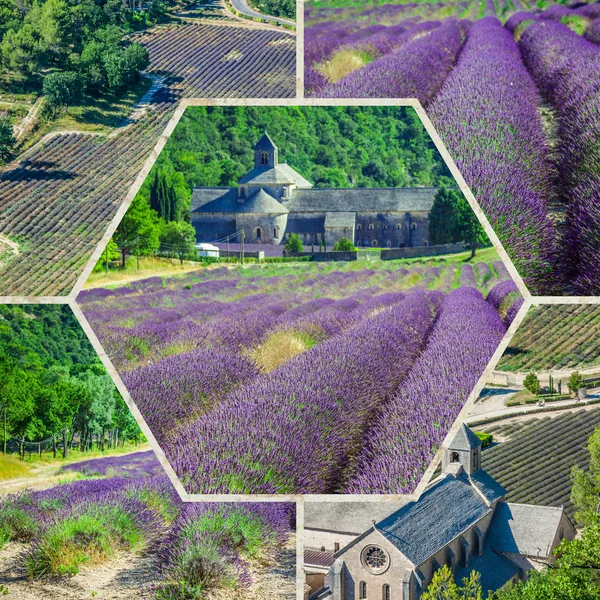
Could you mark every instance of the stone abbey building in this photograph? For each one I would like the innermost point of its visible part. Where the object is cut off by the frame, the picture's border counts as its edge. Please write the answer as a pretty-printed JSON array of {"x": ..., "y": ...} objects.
[
  {"x": 273, "y": 200},
  {"x": 390, "y": 551}
]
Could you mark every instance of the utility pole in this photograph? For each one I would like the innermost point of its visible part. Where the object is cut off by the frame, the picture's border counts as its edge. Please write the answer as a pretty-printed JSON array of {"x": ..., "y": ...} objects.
[
  {"x": 242, "y": 248},
  {"x": 228, "y": 248}
]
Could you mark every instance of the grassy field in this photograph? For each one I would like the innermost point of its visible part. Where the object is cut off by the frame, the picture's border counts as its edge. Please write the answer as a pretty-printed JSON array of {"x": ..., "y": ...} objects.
[
  {"x": 555, "y": 337},
  {"x": 150, "y": 266}
]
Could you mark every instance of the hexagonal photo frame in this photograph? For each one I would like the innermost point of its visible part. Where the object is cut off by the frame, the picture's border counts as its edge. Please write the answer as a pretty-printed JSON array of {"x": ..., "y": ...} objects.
[{"x": 285, "y": 398}]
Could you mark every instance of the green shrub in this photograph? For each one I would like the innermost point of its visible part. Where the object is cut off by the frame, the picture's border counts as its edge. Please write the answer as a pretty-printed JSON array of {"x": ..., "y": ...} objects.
[
  {"x": 513, "y": 403},
  {"x": 15, "y": 525},
  {"x": 89, "y": 538},
  {"x": 486, "y": 438}
]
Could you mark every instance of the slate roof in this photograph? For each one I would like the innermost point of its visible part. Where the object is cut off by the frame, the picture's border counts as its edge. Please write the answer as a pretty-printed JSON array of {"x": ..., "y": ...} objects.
[
  {"x": 214, "y": 199},
  {"x": 524, "y": 529},
  {"x": 442, "y": 513},
  {"x": 265, "y": 143},
  {"x": 324, "y": 200},
  {"x": 317, "y": 558},
  {"x": 279, "y": 174},
  {"x": 464, "y": 439},
  {"x": 340, "y": 219},
  {"x": 362, "y": 200},
  {"x": 261, "y": 202},
  {"x": 488, "y": 486},
  {"x": 347, "y": 517},
  {"x": 494, "y": 569}
]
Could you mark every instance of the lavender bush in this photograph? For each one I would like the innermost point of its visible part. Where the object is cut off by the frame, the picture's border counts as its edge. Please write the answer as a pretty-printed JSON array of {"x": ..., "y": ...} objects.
[
  {"x": 403, "y": 437},
  {"x": 499, "y": 146}
]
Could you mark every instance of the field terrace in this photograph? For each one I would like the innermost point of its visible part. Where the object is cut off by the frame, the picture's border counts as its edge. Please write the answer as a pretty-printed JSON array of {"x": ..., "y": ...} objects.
[
  {"x": 57, "y": 199},
  {"x": 533, "y": 457},
  {"x": 551, "y": 337},
  {"x": 292, "y": 378},
  {"x": 526, "y": 155}
]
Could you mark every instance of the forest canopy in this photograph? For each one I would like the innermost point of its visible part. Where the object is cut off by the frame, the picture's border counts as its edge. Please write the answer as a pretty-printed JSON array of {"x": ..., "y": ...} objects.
[{"x": 51, "y": 380}]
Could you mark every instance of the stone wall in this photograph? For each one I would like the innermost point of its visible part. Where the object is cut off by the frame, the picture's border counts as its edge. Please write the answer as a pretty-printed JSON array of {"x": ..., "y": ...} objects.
[
  {"x": 418, "y": 251},
  {"x": 392, "y": 230},
  {"x": 267, "y": 224},
  {"x": 326, "y": 256}
]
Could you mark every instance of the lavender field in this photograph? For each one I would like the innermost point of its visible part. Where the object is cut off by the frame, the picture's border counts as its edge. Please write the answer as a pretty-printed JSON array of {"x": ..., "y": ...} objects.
[
  {"x": 188, "y": 550},
  {"x": 135, "y": 464},
  {"x": 513, "y": 92},
  {"x": 295, "y": 378}
]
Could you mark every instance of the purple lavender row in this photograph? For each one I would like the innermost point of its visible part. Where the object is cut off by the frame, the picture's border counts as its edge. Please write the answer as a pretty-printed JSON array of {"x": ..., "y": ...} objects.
[
  {"x": 566, "y": 68},
  {"x": 416, "y": 70},
  {"x": 136, "y": 464},
  {"x": 295, "y": 429},
  {"x": 501, "y": 291},
  {"x": 405, "y": 436},
  {"x": 592, "y": 32},
  {"x": 486, "y": 114}
]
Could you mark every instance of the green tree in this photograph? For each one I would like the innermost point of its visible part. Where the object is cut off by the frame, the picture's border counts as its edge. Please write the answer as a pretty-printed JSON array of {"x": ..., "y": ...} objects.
[
  {"x": 442, "y": 218},
  {"x": 585, "y": 493},
  {"x": 469, "y": 229},
  {"x": 532, "y": 384},
  {"x": 179, "y": 237},
  {"x": 575, "y": 382},
  {"x": 110, "y": 254},
  {"x": 54, "y": 26},
  {"x": 62, "y": 89},
  {"x": 139, "y": 230},
  {"x": 7, "y": 141},
  {"x": 344, "y": 245},
  {"x": 443, "y": 587},
  {"x": 294, "y": 244},
  {"x": 21, "y": 50}
]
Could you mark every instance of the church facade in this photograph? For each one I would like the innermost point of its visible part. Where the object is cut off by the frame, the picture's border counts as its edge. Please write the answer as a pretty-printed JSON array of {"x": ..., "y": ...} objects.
[
  {"x": 273, "y": 201},
  {"x": 461, "y": 520}
]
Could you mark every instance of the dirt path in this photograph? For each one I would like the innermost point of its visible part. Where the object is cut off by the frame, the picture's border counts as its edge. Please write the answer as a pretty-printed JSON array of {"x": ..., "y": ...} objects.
[
  {"x": 28, "y": 121},
  {"x": 46, "y": 476},
  {"x": 125, "y": 577},
  {"x": 120, "y": 579},
  {"x": 8, "y": 249},
  {"x": 270, "y": 582}
]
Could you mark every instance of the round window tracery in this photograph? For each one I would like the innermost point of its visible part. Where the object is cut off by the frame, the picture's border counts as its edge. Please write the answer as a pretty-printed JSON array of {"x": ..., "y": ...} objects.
[{"x": 375, "y": 559}]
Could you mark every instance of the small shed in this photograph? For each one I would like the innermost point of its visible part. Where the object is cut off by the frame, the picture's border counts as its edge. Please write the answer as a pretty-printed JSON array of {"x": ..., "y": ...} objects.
[{"x": 208, "y": 250}]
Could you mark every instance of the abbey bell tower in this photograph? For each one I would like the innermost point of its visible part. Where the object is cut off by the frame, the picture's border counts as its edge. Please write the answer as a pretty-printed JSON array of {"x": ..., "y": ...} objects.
[{"x": 265, "y": 153}]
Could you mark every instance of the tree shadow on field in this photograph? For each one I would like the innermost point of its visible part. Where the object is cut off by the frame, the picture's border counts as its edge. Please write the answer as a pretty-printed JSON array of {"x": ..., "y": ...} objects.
[{"x": 35, "y": 170}]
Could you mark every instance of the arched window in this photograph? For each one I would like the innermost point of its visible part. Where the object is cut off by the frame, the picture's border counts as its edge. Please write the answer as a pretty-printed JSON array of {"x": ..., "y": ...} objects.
[
  {"x": 264, "y": 159},
  {"x": 374, "y": 243},
  {"x": 413, "y": 225},
  {"x": 258, "y": 233},
  {"x": 455, "y": 457},
  {"x": 322, "y": 548},
  {"x": 336, "y": 546},
  {"x": 359, "y": 226},
  {"x": 398, "y": 225},
  {"x": 276, "y": 232},
  {"x": 371, "y": 226},
  {"x": 385, "y": 226},
  {"x": 362, "y": 590},
  {"x": 387, "y": 592},
  {"x": 561, "y": 533}
]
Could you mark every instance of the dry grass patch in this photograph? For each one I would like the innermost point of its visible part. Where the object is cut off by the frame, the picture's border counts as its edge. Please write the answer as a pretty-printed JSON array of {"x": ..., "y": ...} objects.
[
  {"x": 343, "y": 62},
  {"x": 11, "y": 467},
  {"x": 280, "y": 347}
]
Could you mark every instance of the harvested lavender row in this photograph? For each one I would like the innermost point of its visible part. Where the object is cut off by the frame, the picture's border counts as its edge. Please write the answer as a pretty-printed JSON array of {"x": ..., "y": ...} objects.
[
  {"x": 301, "y": 423},
  {"x": 500, "y": 291},
  {"x": 566, "y": 68},
  {"x": 405, "y": 437},
  {"x": 416, "y": 70},
  {"x": 499, "y": 146}
]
